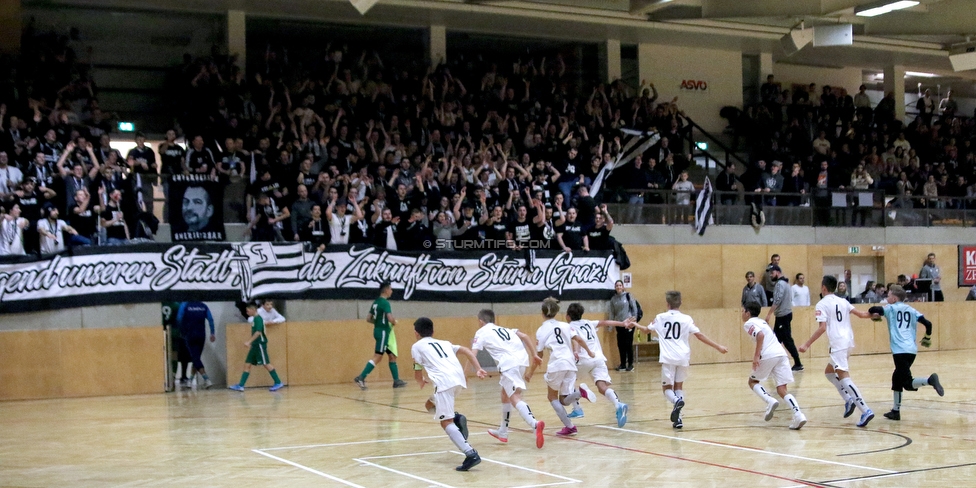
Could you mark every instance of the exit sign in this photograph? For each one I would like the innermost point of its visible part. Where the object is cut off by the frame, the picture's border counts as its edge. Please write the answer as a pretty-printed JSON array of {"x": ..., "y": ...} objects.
[{"x": 854, "y": 250}]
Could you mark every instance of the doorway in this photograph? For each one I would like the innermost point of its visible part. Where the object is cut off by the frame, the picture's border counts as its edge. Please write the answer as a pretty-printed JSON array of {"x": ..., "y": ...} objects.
[{"x": 863, "y": 269}]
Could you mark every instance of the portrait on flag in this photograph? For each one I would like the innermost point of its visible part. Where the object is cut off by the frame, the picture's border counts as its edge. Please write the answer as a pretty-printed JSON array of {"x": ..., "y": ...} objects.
[{"x": 196, "y": 208}]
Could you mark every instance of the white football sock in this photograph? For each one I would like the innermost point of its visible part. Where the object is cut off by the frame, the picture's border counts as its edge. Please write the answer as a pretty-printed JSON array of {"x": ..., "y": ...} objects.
[
  {"x": 523, "y": 410},
  {"x": 612, "y": 396},
  {"x": 835, "y": 380},
  {"x": 455, "y": 434},
  {"x": 506, "y": 414},
  {"x": 762, "y": 393},
  {"x": 669, "y": 394},
  {"x": 855, "y": 394},
  {"x": 561, "y": 412},
  {"x": 791, "y": 400}
]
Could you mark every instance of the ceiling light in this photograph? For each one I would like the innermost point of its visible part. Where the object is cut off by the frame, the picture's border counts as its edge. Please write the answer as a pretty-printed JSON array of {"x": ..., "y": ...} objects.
[
  {"x": 920, "y": 75},
  {"x": 875, "y": 9}
]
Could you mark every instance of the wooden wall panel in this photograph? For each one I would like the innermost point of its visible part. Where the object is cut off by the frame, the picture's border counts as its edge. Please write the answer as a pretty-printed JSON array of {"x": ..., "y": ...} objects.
[
  {"x": 112, "y": 361},
  {"x": 32, "y": 364},
  {"x": 721, "y": 325},
  {"x": 653, "y": 273},
  {"x": 736, "y": 260},
  {"x": 238, "y": 334},
  {"x": 699, "y": 268},
  {"x": 793, "y": 260},
  {"x": 955, "y": 325}
]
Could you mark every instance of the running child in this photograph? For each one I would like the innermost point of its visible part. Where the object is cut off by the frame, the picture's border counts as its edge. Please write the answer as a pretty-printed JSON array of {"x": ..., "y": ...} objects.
[
  {"x": 439, "y": 359},
  {"x": 834, "y": 315},
  {"x": 508, "y": 347},
  {"x": 560, "y": 376},
  {"x": 770, "y": 359},
  {"x": 903, "y": 323},
  {"x": 258, "y": 353},
  {"x": 673, "y": 330},
  {"x": 597, "y": 365}
]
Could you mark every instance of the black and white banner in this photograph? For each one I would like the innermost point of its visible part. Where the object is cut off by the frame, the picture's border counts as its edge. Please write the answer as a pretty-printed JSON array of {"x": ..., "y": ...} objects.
[
  {"x": 228, "y": 272},
  {"x": 196, "y": 208}
]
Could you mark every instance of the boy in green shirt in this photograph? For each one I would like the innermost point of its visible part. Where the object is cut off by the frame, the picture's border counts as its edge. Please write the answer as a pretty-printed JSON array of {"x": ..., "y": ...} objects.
[
  {"x": 258, "y": 354},
  {"x": 381, "y": 316}
]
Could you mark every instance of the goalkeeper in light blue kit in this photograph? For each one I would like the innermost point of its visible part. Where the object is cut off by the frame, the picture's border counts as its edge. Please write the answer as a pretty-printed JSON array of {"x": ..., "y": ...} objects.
[{"x": 902, "y": 328}]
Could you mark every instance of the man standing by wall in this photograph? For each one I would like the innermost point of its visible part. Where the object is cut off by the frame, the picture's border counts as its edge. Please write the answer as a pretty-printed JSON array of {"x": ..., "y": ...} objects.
[
  {"x": 768, "y": 282},
  {"x": 752, "y": 292},
  {"x": 801, "y": 293},
  {"x": 930, "y": 271},
  {"x": 190, "y": 320},
  {"x": 782, "y": 309}
]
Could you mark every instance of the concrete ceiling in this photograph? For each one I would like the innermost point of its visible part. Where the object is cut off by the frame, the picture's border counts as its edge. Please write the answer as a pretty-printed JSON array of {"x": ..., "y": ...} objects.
[{"x": 919, "y": 39}]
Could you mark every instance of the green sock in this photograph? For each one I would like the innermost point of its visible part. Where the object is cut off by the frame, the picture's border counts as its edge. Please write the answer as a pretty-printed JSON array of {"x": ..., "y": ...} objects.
[
  {"x": 274, "y": 376},
  {"x": 367, "y": 370},
  {"x": 244, "y": 376},
  {"x": 395, "y": 371}
]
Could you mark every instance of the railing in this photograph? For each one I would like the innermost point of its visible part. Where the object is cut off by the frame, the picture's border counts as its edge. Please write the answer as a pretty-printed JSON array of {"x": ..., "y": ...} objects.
[
  {"x": 834, "y": 208},
  {"x": 705, "y": 136}
]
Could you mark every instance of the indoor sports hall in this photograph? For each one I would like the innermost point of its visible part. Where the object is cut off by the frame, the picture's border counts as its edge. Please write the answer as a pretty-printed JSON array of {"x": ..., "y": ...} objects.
[{"x": 222, "y": 224}]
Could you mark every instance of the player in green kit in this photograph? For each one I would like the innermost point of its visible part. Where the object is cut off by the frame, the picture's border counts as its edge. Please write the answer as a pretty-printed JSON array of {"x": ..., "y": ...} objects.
[
  {"x": 903, "y": 323},
  {"x": 258, "y": 354},
  {"x": 381, "y": 316}
]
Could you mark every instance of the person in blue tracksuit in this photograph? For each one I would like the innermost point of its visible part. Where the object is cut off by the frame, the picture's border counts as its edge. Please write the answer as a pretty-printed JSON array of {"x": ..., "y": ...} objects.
[{"x": 191, "y": 319}]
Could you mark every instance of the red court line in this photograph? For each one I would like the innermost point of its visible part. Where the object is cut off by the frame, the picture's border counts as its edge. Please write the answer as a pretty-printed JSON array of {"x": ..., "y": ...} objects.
[{"x": 744, "y": 470}]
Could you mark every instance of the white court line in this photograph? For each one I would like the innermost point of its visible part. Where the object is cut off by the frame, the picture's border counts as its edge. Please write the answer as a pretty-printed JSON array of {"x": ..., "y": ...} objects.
[
  {"x": 749, "y": 449},
  {"x": 408, "y": 454},
  {"x": 401, "y": 473},
  {"x": 567, "y": 480},
  {"x": 306, "y": 468},
  {"x": 361, "y": 442}
]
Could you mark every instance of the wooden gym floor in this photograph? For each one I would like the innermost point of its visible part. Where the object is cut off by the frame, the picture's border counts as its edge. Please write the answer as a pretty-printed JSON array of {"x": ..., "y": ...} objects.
[{"x": 340, "y": 436}]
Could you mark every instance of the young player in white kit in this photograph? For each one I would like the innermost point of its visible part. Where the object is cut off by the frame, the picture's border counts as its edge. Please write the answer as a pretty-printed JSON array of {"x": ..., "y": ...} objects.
[
  {"x": 834, "y": 315},
  {"x": 439, "y": 359},
  {"x": 673, "y": 330},
  {"x": 770, "y": 359},
  {"x": 558, "y": 338},
  {"x": 597, "y": 365},
  {"x": 508, "y": 348}
]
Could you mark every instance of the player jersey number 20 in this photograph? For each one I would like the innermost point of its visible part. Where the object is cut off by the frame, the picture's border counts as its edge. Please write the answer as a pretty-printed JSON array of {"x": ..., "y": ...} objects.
[{"x": 672, "y": 330}]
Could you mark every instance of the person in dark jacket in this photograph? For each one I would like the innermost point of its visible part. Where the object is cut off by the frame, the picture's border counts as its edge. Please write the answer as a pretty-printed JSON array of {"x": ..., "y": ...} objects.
[{"x": 190, "y": 320}]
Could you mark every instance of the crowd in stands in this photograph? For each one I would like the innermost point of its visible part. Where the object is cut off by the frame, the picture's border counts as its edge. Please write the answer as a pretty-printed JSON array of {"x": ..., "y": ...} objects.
[
  {"x": 61, "y": 182},
  {"x": 465, "y": 154},
  {"x": 817, "y": 140}
]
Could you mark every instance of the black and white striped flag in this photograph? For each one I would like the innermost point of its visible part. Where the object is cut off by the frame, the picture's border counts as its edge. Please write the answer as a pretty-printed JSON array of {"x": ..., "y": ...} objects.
[
  {"x": 703, "y": 207},
  {"x": 634, "y": 142}
]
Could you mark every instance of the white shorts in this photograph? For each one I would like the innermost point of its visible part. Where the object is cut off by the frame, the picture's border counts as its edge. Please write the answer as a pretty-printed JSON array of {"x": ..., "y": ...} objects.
[
  {"x": 777, "y": 367},
  {"x": 838, "y": 359},
  {"x": 595, "y": 367},
  {"x": 562, "y": 381},
  {"x": 672, "y": 373},
  {"x": 444, "y": 404},
  {"x": 512, "y": 380}
]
